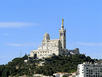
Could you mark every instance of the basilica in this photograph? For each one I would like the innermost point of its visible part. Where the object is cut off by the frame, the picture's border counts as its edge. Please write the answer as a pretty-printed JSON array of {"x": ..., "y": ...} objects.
[{"x": 56, "y": 47}]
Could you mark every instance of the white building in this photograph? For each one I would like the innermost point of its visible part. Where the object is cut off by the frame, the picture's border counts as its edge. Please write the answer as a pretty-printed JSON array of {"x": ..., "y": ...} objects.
[
  {"x": 61, "y": 74},
  {"x": 53, "y": 47},
  {"x": 89, "y": 70}
]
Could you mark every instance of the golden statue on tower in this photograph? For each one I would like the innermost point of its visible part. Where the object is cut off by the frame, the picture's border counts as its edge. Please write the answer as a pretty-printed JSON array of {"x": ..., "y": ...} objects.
[{"x": 62, "y": 21}]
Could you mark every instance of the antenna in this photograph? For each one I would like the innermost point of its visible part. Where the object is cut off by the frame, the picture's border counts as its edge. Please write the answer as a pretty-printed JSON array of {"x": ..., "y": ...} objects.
[{"x": 20, "y": 54}]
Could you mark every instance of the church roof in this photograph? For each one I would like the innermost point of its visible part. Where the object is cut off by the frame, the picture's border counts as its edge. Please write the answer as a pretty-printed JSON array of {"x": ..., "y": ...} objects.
[{"x": 46, "y": 36}]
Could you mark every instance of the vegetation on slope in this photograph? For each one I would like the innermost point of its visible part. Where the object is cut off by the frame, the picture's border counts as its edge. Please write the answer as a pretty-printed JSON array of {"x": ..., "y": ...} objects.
[{"x": 17, "y": 67}]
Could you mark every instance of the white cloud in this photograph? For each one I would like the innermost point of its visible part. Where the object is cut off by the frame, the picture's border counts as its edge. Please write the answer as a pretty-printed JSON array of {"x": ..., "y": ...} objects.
[
  {"x": 89, "y": 43},
  {"x": 2, "y": 57},
  {"x": 15, "y": 44},
  {"x": 16, "y": 24},
  {"x": 21, "y": 44}
]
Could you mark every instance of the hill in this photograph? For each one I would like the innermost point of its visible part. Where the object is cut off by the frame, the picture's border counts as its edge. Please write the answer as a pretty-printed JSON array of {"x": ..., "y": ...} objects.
[{"x": 17, "y": 67}]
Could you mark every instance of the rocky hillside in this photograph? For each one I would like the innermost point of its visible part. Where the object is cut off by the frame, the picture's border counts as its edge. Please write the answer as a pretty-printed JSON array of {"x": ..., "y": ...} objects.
[{"x": 17, "y": 67}]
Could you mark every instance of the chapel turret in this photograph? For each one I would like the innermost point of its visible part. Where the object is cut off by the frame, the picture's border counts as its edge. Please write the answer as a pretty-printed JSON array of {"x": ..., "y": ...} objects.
[
  {"x": 62, "y": 35},
  {"x": 46, "y": 37}
]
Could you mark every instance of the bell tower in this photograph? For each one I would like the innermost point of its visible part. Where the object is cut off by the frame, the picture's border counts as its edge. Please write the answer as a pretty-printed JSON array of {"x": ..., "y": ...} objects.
[{"x": 62, "y": 35}]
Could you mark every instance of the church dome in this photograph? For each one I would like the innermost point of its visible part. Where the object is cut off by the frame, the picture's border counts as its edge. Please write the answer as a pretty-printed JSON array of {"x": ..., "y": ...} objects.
[{"x": 46, "y": 36}]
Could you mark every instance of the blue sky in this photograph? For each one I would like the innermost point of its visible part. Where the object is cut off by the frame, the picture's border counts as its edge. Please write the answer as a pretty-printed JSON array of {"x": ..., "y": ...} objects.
[{"x": 24, "y": 22}]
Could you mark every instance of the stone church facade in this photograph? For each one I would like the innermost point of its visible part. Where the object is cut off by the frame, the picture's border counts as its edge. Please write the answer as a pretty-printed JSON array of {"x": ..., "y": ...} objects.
[{"x": 53, "y": 47}]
